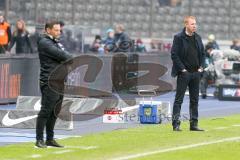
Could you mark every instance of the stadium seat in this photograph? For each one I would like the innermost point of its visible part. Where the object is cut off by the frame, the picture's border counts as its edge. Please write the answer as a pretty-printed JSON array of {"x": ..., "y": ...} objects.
[
  {"x": 218, "y": 4},
  {"x": 144, "y": 34},
  {"x": 132, "y": 9},
  {"x": 222, "y": 12},
  {"x": 210, "y": 14},
  {"x": 206, "y": 3},
  {"x": 236, "y": 20},
  {"x": 141, "y": 9},
  {"x": 235, "y": 12},
  {"x": 107, "y": 17},
  {"x": 118, "y": 17},
  {"x": 100, "y": 8},
  {"x": 128, "y": 17},
  {"x": 155, "y": 27},
  {"x": 145, "y": 26},
  {"x": 196, "y": 3},
  {"x": 121, "y": 9}
]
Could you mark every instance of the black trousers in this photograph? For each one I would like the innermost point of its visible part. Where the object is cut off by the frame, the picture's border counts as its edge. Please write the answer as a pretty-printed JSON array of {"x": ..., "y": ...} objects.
[
  {"x": 184, "y": 80},
  {"x": 51, "y": 105}
]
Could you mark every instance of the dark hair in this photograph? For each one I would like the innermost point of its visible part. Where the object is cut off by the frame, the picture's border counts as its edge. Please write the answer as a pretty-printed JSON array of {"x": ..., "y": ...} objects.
[
  {"x": 98, "y": 37},
  {"x": 209, "y": 46},
  {"x": 61, "y": 23},
  {"x": 50, "y": 24}
]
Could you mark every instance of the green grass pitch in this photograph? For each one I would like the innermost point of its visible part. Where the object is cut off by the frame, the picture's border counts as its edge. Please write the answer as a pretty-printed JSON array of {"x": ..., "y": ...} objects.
[{"x": 220, "y": 141}]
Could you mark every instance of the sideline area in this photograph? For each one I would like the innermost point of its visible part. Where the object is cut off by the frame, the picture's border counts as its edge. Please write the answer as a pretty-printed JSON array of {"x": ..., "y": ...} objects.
[{"x": 221, "y": 136}]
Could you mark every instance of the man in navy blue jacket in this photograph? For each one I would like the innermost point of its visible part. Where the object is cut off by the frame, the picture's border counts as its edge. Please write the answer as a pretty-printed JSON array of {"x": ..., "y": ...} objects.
[{"x": 188, "y": 60}]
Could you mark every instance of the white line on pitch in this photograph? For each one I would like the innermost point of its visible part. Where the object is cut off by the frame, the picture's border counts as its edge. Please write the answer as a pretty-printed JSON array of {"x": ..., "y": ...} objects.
[
  {"x": 62, "y": 151},
  {"x": 35, "y": 156},
  {"x": 82, "y": 147},
  {"x": 236, "y": 125},
  {"x": 220, "y": 128},
  {"x": 176, "y": 148},
  {"x": 69, "y": 137}
]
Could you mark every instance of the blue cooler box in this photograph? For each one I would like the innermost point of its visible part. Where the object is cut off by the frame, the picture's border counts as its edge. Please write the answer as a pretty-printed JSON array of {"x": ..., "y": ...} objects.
[{"x": 149, "y": 113}]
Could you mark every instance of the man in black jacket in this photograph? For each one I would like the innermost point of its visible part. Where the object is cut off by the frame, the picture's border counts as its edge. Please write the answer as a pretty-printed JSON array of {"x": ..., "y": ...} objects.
[
  {"x": 51, "y": 54},
  {"x": 188, "y": 60}
]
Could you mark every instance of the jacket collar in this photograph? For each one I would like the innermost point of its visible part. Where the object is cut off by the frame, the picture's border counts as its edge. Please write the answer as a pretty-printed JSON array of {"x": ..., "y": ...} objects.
[
  {"x": 183, "y": 33},
  {"x": 50, "y": 37}
]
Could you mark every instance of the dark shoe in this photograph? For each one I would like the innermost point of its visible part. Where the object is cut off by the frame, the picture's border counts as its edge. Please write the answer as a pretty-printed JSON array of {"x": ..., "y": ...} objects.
[
  {"x": 177, "y": 128},
  {"x": 195, "y": 129},
  {"x": 40, "y": 144},
  {"x": 53, "y": 143},
  {"x": 204, "y": 96}
]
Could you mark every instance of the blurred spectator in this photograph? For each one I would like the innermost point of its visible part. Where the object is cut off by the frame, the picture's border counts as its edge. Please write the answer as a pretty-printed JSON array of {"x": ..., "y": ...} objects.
[
  {"x": 208, "y": 58},
  {"x": 79, "y": 43},
  {"x": 164, "y": 2},
  {"x": 155, "y": 45},
  {"x": 34, "y": 38},
  {"x": 173, "y": 3},
  {"x": 212, "y": 42},
  {"x": 159, "y": 45},
  {"x": 208, "y": 74},
  {"x": 235, "y": 44},
  {"x": 20, "y": 36},
  {"x": 140, "y": 47},
  {"x": 96, "y": 43},
  {"x": 62, "y": 24},
  {"x": 66, "y": 38},
  {"x": 5, "y": 34},
  {"x": 109, "y": 44},
  {"x": 121, "y": 39},
  {"x": 68, "y": 42}
]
